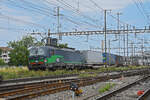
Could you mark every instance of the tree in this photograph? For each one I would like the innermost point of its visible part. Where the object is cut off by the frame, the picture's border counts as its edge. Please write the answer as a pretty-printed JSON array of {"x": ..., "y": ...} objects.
[
  {"x": 26, "y": 41},
  {"x": 0, "y": 52},
  {"x": 19, "y": 54},
  {"x": 63, "y": 45},
  {"x": 2, "y": 62}
]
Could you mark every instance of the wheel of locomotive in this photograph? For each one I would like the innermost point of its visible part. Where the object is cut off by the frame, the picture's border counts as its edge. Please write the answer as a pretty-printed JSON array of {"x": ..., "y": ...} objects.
[
  {"x": 68, "y": 67},
  {"x": 30, "y": 67},
  {"x": 51, "y": 68},
  {"x": 43, "y": 67},
  {"x": 72, "y": 67},
  {"x": 1, "y": 78},
  {"x": 35, "y": 69}
]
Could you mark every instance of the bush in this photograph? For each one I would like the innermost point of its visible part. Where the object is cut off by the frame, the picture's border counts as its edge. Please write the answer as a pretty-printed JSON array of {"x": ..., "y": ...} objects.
[
  {"x": 107, "y": 87},
  {"x": 2, "y": 62}
]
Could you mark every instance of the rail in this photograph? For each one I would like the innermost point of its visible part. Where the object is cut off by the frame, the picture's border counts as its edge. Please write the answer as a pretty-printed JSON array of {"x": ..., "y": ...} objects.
[
  {"x": 40, "y": 89},
  {"x": 57, "y": 76},
  {"x": 145, "y": 95},
  {"x": 109, "y": 95}
]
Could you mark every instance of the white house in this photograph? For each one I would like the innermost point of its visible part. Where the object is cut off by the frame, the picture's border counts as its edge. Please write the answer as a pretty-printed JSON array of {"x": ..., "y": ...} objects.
[{"x": 5, "y": 54}]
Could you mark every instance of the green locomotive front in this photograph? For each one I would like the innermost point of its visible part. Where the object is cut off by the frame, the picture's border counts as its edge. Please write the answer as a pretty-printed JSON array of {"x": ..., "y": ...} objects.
[{"x": 49, "y": 57}]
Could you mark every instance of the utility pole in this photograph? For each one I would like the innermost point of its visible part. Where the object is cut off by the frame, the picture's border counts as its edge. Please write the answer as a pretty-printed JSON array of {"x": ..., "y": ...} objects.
[
  {"x": 58, "y": 22},
  {"x": 127, "y": 46},
  {"x": 132, "y": 46},
  {"x": 124, "y": 46},
  {"x": 143, "y": 51},
  {"x": 134, "y": 56},
  {"x": 78, "y": 5},
  {"x": 109, "y": 53},
  {"x": 105, "y": 30},
  {"x": 118, "y": 28},
  {"x": 49, "y": 33},
  {"x": 102, "y": 46}
]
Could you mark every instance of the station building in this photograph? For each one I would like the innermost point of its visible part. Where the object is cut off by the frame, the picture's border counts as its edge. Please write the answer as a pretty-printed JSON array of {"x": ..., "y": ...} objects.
[{"x": 5, "y": 54}]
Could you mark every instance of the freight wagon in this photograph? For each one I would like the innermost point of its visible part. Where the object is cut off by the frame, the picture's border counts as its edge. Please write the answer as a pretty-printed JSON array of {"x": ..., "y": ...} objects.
[
  {"x": 109, "y": 59},
  {"x": 112, "y": 59},
  {"x": 92, "y": 57},
  {"x": 120, "y": 60}
]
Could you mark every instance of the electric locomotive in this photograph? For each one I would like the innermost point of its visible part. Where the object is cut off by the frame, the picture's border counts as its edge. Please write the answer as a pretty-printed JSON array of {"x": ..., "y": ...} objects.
[{"x": 50, "y": 57}]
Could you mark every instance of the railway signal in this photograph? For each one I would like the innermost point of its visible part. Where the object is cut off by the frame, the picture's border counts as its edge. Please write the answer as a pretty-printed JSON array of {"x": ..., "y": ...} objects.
[{"x": 74, "y": 87}]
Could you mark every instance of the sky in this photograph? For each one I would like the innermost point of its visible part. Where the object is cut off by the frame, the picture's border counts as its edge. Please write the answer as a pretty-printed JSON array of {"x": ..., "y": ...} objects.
[{"x": 21, "y": 17}]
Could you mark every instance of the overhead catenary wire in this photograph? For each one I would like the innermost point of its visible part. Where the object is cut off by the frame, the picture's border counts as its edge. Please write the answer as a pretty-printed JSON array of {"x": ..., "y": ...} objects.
[
  {"x": 31, "y": 8},
  {"x": 77, "y": 11},
  {"x": 45, "y": 13},
  {"x": 139, "y": 5},
  {"x": 14, "y": 29},
  {"x": 51, "y": 10},
  {"x": 21, "y": 21},
  {"x": 83, "y": 22},
  {"x": 41, "y": 11},
  {"x": 102, "y": 9}
]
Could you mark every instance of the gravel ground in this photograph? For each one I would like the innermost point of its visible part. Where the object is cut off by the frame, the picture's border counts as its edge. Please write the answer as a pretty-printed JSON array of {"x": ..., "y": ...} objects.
[
  {"x": 88, "y": 91},
  {"x": 131, "y": 93}
]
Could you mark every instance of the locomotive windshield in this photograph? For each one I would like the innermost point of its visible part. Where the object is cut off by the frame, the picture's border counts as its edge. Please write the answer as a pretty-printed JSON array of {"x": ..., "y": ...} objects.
[
  {"x": 37, "y": 51},
  {"x": 33, "y": 51},
  {"x": 40, "y": 51}
]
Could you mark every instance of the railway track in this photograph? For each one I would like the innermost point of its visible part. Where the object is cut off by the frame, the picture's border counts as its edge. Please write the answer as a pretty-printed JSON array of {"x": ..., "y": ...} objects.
[
  {"x": 145, "y": 96},
  {"x": 32, "y": 90},
  {"x": 126, "y": 92},
  {"x": 4, "y": 88},
  {"x": 16, "y": 81},
  {"x": 36, "y": 79}
]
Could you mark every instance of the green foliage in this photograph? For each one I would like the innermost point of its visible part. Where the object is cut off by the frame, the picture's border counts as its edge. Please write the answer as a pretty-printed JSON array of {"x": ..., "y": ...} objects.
[
  {"x": 0, "y": 52},
  {"x": 26, "y": 41},
  {"x": 23, "y": 72},
  {"x": 107, "y": 87},
  {"x": 63, "y": 45},
  {"x": 19, "y": 54},
  {"x": 103, "y": 69},
  {"x": 2, "y": 62},
  {"x": 87, "y": 75}
]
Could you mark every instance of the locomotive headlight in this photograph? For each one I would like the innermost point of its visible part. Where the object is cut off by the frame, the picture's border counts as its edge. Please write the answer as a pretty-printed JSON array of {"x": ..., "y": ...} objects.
[
  {"x": 45, "y": 60},
  {"x": 57, "y": 60}
]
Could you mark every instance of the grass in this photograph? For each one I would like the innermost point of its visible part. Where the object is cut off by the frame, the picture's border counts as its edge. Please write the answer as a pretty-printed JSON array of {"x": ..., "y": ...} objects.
[
  {"x": 87, "y": 75},
  {"x": 23, "y": 72},
  {"x": 106, "y": 87}
]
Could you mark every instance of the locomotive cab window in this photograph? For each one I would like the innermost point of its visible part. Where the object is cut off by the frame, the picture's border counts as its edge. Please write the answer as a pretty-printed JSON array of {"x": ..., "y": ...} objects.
[
  {"x": 33, "y": 51},
  {"x": 41, "y": 51}
]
